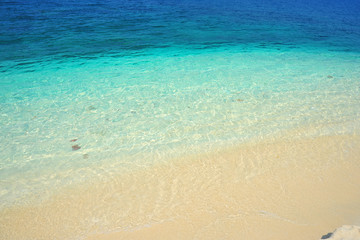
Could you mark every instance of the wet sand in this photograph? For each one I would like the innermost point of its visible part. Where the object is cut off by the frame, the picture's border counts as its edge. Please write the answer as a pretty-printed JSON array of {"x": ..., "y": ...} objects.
[{"x": 279, "y": 189}]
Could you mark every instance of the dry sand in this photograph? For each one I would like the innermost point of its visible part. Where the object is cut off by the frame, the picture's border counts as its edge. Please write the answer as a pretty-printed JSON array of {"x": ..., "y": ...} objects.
[{"x": 283, "y": 189}]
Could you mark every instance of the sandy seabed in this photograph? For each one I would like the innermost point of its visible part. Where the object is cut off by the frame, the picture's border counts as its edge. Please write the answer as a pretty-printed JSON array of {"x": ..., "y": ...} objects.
[{"x": 279, "y": 189}]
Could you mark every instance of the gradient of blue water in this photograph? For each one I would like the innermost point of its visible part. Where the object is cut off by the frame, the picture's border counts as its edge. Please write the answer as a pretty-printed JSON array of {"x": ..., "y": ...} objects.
[
  {"x": 135, "y": 77},
  {"x": 36, "y": 31}
]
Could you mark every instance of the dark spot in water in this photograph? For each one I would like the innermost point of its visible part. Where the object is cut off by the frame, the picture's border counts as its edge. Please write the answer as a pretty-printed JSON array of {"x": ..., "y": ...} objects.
[
  {"x": 73, "y": 140},
  {"x": 239, "y": 100},
  {"x": 90, "y": 108},
  {"x": 329, "y": 76},
  {"x": 85, "y": 156},
  {"x": 75, "y": 147},
  {"x": 133, "y": 111}
]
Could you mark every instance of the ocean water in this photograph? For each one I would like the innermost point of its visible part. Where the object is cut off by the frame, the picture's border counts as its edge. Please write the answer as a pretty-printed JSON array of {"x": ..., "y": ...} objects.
[{"x": 133, "y": 83}]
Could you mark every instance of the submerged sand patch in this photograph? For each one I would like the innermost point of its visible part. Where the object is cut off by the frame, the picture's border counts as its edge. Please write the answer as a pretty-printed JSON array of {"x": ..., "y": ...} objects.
[{"x": 280, "y": 189}]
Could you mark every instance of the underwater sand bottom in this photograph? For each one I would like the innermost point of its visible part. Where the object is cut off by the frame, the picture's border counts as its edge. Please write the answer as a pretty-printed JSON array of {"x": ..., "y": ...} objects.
[{"x": 280, "y": 189}]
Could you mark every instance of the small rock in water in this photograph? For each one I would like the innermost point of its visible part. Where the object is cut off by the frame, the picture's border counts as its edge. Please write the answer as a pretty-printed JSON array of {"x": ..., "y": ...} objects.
[
  {"x": 75, "y": 147},
  {"x": 90, "y": 108},
  {"x": 85, "y": 156},
  {"x": 329, "y": 76},
  {"x": 73, "y": 140}
]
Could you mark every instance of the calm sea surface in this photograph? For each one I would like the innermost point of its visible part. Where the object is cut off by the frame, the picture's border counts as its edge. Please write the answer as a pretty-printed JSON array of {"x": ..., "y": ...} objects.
[{"x": 93, "y": 88}]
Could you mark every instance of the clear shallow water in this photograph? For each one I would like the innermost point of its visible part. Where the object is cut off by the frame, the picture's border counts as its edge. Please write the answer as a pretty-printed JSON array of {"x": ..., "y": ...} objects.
[{"x": 145, "y": 81}]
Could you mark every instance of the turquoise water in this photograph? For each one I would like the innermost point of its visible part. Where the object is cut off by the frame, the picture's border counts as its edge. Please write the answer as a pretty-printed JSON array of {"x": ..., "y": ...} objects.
[
  {"x": 136, "y": 110},
  {"x": 140, "y": 82}
]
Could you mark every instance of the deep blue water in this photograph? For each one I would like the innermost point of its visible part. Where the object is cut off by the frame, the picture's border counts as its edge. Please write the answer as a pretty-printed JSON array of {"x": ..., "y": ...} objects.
[{"x": 33, "y": 31}]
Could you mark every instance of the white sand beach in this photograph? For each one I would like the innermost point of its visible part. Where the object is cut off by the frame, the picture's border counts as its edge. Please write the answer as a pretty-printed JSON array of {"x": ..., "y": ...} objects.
[{"x": 291, "y": 189}]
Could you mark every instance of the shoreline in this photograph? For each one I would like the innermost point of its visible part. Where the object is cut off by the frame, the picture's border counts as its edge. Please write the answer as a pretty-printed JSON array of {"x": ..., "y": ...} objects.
[{"x": 298, "y": 189}]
